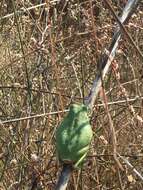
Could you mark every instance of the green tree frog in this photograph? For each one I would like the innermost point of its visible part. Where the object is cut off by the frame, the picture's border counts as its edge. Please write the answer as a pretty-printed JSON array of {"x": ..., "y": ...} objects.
[{"x": 74, "y": 135}]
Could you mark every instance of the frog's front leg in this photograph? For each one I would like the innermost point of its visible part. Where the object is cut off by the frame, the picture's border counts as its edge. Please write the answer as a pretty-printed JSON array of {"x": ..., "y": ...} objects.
[{"x": 83, "y": 152}]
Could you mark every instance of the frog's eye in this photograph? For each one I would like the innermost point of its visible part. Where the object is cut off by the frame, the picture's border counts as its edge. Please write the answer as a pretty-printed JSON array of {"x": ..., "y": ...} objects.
[
  {"x": 73, "y": 106},
  {"x": 67, "y": 107}
]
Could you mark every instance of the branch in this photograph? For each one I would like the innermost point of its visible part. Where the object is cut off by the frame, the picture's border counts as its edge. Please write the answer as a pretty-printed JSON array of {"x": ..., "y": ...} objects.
[
  {"x": 23, "y": 10},
  {"x": 108, "y": 56},
  {"x": 133, "y": 99},
  {"x": 131, "y": 166},
  {"x": 64, "y": 177}
]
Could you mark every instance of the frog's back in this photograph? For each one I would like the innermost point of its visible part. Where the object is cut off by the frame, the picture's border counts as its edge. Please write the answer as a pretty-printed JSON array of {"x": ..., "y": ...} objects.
[{"x": 74, "y": 134}]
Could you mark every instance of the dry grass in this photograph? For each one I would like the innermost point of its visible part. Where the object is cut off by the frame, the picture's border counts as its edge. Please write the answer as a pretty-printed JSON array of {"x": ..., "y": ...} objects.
[{"x": 48, "y": 59}]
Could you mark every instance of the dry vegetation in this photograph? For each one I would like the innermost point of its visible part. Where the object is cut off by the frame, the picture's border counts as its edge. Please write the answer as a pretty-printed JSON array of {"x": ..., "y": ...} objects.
[{"x": 48, "y": 59}]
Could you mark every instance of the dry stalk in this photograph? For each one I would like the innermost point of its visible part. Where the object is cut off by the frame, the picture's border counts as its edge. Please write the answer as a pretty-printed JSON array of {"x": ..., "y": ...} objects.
[
  {"x": 125, "y": 94},
  {"x": 112, "y": 130}
]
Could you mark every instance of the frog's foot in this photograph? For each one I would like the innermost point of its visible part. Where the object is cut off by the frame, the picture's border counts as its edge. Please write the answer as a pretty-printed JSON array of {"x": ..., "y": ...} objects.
[{"x": 79, "y": 163}]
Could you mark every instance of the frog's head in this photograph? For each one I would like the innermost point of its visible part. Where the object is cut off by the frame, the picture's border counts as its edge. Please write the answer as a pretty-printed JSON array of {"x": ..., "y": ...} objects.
[{"x": 76, "y": 108}]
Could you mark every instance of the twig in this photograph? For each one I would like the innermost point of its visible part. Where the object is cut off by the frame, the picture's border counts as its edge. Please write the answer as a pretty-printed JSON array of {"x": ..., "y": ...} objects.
[
  {"x": 129, "y": 12},
  {"x": 131, "y": 166},
  {"x": 109, "y": 55},
  {"x": 64, "y": 177},
  {"x": 38, "y": 90},
  {"x": 32, "y": 117},
  {"x": 111, "y": 155},
  {"x": 23, "y": 10},
  {"x": 112, "y": 132},
  {"x": 78, "y": 81},
  {"x": 64, "y": 111}
]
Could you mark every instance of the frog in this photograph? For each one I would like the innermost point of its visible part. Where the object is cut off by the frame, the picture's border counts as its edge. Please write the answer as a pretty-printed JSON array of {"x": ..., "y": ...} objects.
[{"x": 74, "y": 135}]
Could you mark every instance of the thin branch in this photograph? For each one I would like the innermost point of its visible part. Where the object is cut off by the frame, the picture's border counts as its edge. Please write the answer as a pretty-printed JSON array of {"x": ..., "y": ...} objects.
[
  {"x": 112, "y": 131},
  {"x": 131, "y": 166},
  {"x": 109, "y": 55},
  {"x": 32, "y": 117},
  {"x": 18, "y": 86},
  {"x": 64, "y": 177},
  {"x": 23, "y": 10},
  {"x": 121, "y": 21},
  {"x": 64, "y": 111},
  {"x": 112, "y": 155},
  {"x": 23, "y": 52}
]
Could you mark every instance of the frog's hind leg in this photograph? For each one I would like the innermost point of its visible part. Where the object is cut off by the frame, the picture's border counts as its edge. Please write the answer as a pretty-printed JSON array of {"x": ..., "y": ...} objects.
[{"x": 78, "y": 163}]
